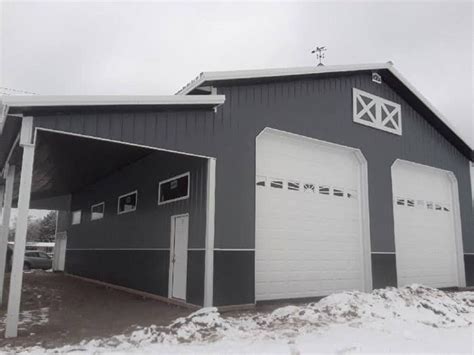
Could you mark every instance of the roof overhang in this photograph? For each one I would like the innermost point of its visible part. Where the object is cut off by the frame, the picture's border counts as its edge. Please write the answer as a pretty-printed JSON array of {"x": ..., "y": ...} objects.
[
  {"x": 24, "y": 105},
  {"x": 209, "y": 78}
]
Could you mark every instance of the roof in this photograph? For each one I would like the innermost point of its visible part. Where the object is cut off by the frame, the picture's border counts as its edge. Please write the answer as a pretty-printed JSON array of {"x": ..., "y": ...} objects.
[
  {"x": 439, "y": 121},
  {"x": 26, "y": 104}
]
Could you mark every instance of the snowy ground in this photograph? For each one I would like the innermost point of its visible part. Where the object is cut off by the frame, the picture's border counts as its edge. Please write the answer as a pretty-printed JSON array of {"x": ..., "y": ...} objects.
[{"x": 412, "y": 319}]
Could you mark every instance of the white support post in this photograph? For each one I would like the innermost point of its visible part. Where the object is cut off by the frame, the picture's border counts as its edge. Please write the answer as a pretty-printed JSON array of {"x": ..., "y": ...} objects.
[
  {"x": 210, "y": 225},
  {"x": 16, "y": 279},
  {"x": 7, "y": 208}
]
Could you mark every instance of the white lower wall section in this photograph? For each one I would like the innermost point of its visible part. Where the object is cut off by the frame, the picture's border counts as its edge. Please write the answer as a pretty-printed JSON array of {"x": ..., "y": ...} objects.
[
  {"x": 425, "y": 212},
  {"x": 308, "y": 220}
]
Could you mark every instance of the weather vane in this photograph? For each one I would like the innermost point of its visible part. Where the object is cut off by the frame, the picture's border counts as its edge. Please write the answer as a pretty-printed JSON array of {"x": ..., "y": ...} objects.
[{"x": 319, "y": 54}]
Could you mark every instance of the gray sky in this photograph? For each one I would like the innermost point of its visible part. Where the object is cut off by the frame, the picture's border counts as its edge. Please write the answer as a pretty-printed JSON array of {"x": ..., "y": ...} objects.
[{"x": 151, "y": 48}]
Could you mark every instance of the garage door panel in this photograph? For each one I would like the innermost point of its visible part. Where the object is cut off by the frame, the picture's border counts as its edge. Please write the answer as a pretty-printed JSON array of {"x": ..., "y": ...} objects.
[
  {"x": 308, "y": 225},
  {"x": 424, "y": 226}
]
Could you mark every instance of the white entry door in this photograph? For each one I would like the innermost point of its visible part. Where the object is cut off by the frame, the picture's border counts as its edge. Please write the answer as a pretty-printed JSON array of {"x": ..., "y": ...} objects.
[
  {"x": 308, "y": 218},
  {"x": 179, "y": 256},
  {"x": 426, "y": 244}
]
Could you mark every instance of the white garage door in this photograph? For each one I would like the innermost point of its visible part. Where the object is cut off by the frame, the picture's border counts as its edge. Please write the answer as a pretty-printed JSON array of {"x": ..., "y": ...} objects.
[
  {"x": 308, "y": 220},
  {"x": 425, "y": 239}
]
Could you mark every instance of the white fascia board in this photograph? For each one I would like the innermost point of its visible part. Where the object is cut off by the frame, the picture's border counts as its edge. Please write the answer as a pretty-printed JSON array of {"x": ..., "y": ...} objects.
[
  {"x": 101, "y": 100},
  {"x": 425, "y": 101},
  {"x": 277, "y": 72}
]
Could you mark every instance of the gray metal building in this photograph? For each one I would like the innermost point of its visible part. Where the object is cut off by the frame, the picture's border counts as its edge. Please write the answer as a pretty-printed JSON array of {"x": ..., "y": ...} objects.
[{"x": 254, "y": 185}]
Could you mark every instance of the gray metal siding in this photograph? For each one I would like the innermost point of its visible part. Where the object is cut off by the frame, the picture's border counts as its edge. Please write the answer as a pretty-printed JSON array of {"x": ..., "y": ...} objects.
[
  {"x": 149, "y": 225},
  {"x": 320, "y": 108},
  {"x": 132, "y": 249}
]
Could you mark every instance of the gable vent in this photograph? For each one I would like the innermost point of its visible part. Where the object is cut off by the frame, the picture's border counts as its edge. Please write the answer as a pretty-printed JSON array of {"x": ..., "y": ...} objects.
[{"x": 376, "y": 112}]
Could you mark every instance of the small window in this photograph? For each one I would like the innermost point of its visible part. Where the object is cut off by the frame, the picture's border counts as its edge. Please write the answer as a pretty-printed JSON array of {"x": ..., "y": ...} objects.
[
  {"x": 174, "y": 189},
  {"x": 293, "y": 186},
  {"x": 76, "y": 217},
  {"x": 97, "y": 211},
  {"x": 352, "y": 194},
  {"x": 127, "y": 203},
  {"x": 261, "y": 181},
  {"x": 429, "y": 205},
  {"x": 420, "y": 203},
  {"x": 324, "y": 190},
  {"x": 276, "y": 183},
  {"x": 446, "y": 208},
  {"x": 338, "y": 192},
  {"x": 410, "y": 203},
  {"x": 438, "y": 207},
  {"x": 400, "y": 201},
  {"x": 308, "y": 188}
]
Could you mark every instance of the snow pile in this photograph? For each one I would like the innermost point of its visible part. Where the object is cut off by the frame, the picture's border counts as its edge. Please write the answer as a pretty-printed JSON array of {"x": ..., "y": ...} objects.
[
  {"x": 388, "y": 311},
  {"x": 412, "y": 304}
]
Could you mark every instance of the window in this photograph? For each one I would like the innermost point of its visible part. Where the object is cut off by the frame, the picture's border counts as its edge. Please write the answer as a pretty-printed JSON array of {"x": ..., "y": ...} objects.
[
  {"x": 338, "y": 192},
  {"x": 400, "y": 201},
  {"x": 376, "y": 112},
  {"x": 293, "y": 186},
  {"x": 174, "y": 189},
  {"x": 446, "y": 208},
  {"x": 438, "y": 207},
  {"x": 127, "y": 203},
  {"x": 276, "y": 183},
  {"x": 97, "y": 211},
  {"x": 429, "y": 205},
  {"x": 76, "y": 217},
  {"x": 261, "y": 181},
  {"x": 308, "y": 188},
  {"x": 411, "y": 203},
  {"x": 324, "y": 190},
  {"x": 420, "y": 203}
]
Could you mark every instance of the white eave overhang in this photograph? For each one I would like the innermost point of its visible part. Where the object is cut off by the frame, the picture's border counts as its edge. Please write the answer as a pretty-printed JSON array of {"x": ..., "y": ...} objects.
[
  {"x": 43, "y": 101},
  {"x": 94, "y": 100}
]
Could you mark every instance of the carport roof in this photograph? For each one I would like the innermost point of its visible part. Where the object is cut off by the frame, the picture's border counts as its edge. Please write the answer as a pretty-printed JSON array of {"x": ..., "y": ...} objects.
[
  {"x": 25, "y": 105},
  {"x": 390, "y": 75}
]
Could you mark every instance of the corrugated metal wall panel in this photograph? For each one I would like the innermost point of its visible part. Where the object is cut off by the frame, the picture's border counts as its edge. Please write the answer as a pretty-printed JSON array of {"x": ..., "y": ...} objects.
[{"x": 320, "y": 108}]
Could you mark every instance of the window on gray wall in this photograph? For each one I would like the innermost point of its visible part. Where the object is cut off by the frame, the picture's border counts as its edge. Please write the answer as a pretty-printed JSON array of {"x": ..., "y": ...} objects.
[
  {"x": 76, "y": 217},
  {"x": 174, "y": 189},
  {"x": 127, "y": 203},
  {"x": 97, "y": 211}
]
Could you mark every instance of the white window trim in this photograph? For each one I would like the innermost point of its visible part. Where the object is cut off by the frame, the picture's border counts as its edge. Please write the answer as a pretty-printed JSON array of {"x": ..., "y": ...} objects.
[
  {"x": 80, "y": 217},
  {"x": 125, "y": 195},
  {"x": 92, "y": 213},
  {"x": 188, "y": 174},
  {"x": 379, "y": 104}
]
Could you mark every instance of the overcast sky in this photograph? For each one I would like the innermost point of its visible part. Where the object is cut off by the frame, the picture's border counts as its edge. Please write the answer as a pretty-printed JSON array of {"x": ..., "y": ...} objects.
[{"x": 151, "y": 48}]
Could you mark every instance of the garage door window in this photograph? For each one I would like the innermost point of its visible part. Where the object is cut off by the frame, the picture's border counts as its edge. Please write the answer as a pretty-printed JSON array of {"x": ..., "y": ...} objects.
[
  {"x": 293, "y": 186},
  {"x": 338, "y": 192},
  {"x": 309, "y": 188},
  {"x": 261, "y": 181},
  {"x": 324, "y": 190},
  {"x": 276, "y": 183}
]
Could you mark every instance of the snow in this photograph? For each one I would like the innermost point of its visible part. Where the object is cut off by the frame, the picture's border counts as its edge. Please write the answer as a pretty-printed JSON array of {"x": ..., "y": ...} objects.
[
  {"x": 29, "y": 318},
  {"x": 409, "y": 319}
]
